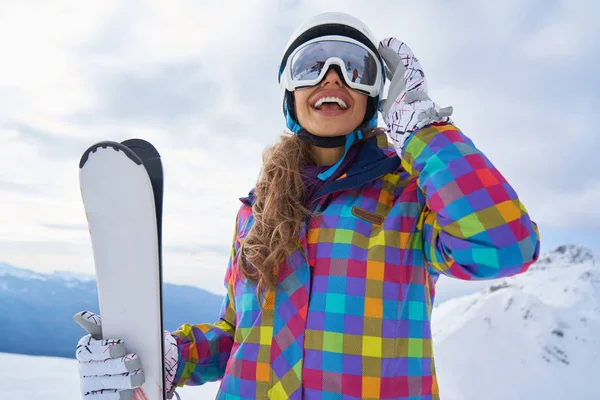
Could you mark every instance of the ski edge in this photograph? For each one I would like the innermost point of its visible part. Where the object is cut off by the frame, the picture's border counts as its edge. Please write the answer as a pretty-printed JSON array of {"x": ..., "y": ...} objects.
[{"x": 151, "y": 155}]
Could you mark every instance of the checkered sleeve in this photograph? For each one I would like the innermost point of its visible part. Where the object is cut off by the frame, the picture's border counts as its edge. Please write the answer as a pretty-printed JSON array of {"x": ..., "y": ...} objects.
[
  {"x": 474, "y": 226},
  {"x": 204, "y": 349}
]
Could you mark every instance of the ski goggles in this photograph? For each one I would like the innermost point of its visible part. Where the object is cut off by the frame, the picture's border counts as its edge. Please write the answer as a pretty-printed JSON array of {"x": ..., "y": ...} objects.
[{"x": 308, "y": 64}]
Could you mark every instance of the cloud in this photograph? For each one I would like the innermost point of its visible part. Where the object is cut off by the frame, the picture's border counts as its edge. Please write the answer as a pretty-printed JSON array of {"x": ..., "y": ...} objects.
[
  {"x": 199, "y": 80},
  {"x": 18, "y": 188},
  {"x": 567, "y": 38},
  {"x": 48, "y": 144},
  {"x": 68, "y": 227},
  {"x": 160, "y": 94}
]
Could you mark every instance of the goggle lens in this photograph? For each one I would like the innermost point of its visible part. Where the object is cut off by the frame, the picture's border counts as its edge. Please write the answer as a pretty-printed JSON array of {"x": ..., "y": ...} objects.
[{"x": 361, "y": 67}]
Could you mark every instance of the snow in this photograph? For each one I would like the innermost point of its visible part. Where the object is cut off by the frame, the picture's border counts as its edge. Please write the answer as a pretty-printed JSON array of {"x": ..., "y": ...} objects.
[
  {"x": 30, "y": 377},
  {"x": 532, "y": 336}
]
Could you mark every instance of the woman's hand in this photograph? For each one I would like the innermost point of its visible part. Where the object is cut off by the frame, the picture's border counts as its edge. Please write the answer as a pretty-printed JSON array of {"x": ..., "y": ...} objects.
[
  {"x": 407, "y": 106},
  {"x": 106, "y": 369}
]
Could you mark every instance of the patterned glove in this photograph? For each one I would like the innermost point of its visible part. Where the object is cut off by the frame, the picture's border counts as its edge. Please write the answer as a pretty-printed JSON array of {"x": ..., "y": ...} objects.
[
  {"x": 407, "y": 107},
  {"x": 106, "y": 371}
]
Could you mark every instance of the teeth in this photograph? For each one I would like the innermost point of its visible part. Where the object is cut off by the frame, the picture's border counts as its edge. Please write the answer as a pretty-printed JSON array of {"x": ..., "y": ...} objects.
[{"x": 322, "y": 100}]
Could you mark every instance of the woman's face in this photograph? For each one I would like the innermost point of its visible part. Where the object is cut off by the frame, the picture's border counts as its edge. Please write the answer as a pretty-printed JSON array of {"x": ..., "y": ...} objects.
[{"x": 341, "y": 113}]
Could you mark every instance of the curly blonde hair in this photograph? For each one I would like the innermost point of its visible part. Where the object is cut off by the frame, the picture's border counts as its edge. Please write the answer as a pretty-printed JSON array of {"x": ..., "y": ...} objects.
[{"x": 278, "y": 212}]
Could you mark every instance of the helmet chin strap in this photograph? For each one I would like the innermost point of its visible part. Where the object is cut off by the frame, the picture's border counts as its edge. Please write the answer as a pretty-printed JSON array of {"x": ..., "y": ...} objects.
[
  {"x": 348, "y": 140},
  {"x": 328, "y": 142}
]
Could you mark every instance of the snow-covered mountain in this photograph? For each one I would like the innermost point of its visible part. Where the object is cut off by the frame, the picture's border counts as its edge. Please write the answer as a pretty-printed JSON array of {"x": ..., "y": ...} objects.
[
  {"x": 36, "y": 309},
  {"x": 531, "y": 336}
]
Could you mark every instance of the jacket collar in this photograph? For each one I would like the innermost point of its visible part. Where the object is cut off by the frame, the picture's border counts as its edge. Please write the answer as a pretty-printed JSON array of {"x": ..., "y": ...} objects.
[{"x": 376, "y": 158}]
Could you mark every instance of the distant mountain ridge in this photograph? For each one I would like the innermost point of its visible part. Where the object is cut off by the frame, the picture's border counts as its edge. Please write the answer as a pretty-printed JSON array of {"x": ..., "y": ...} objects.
[{"x": 36, "y": 309}]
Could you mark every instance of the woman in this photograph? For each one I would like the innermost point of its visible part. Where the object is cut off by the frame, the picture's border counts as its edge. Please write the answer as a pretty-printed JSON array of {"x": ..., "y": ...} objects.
[{"x": 338, "y": 248}]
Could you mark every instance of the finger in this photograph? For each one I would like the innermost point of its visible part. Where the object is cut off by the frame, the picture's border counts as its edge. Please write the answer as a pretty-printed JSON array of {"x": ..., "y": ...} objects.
[
  {"x": 91, "y": 322},
  {"x": 112, "y": 366},
  {"x": 110, "y": 395},
  {"x": 382, "y": 105},
  {"x": 116, "y": 382},
  {"x": 396, "y": 87},
  {"x": 397, "y": 46},
  {"x": 389, "y": 73},
  {"x": 413, "y": 96},
  {"x": 390, "y": 57},
  {"x": 90, "y": 349},
  {"x": 385, "y": 108}
]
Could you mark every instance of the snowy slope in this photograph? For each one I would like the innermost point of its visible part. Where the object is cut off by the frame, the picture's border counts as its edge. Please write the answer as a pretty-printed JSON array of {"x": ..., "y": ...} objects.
[
  {"x": 532, "y": 336},
  {"x": 31, "y": 377}
]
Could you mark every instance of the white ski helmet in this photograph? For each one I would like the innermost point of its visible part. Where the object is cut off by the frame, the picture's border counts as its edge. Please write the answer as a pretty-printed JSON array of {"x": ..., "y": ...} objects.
[{"x": 333, "y": 25}]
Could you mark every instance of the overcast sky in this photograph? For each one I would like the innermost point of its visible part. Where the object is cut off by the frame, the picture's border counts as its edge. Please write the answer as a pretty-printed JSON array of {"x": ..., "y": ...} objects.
[{"x": 199, "y": 80}]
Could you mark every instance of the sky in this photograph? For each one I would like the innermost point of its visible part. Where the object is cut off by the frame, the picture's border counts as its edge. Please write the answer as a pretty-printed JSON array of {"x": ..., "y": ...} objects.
[{"x": 198, "y": 79}]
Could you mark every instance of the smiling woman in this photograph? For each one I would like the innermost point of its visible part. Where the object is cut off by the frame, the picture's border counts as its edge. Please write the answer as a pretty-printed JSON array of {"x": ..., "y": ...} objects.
[
  {"x": 337, "y": 249},
  {"x": 330, "y": 108}
]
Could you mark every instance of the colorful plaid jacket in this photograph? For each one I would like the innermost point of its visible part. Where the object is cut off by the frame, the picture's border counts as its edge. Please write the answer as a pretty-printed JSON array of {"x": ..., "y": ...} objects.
[{"x": 351, "y": 316}]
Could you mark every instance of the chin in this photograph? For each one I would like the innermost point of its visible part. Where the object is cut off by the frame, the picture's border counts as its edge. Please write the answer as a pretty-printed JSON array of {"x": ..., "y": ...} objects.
[{"x": 326, "y": 130}]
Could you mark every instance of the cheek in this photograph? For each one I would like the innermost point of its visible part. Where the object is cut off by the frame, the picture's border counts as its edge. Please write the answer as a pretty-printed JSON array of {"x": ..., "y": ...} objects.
[
  {"x": 302, "y": 113},
  {"x": 301, "y": 105},
  {"x": 360, "y": 108}
]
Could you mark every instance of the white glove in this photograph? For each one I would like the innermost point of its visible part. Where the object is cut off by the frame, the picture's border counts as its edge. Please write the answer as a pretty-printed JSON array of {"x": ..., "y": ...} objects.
[
  {"x": 408, "y": 106},
  {"x": 106, "y": 371}
]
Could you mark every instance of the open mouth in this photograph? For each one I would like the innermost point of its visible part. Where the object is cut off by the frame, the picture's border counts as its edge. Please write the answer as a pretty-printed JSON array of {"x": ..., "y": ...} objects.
[{"x": 330, "y": 103}]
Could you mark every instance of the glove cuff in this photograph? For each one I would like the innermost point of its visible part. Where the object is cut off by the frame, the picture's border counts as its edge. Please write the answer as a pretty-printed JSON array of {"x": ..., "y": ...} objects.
[{"x": 403, "y": 117}]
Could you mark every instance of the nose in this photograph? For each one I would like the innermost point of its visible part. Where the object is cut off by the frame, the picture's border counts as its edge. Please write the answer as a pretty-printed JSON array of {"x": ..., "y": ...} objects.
[{"x": 332, "y": 78}]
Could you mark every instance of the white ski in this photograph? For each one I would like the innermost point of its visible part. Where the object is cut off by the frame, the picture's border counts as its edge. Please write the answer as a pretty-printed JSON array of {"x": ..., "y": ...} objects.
[{"x": 124, "y": 224}]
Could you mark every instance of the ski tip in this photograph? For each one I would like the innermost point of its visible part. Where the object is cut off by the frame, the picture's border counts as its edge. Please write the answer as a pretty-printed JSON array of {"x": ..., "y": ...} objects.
[
  {"x": 109, "y": 144},
  {"x": 144, "y": 149}
]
